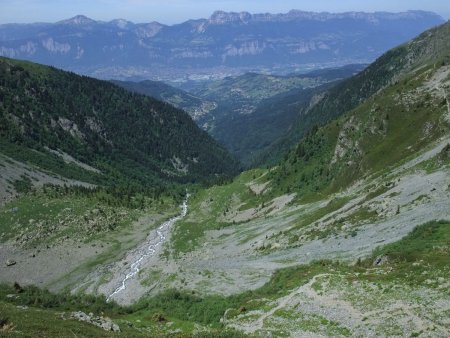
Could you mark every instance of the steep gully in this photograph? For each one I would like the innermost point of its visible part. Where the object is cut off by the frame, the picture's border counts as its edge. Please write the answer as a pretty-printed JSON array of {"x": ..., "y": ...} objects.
[{"x": 149, "y": 248}]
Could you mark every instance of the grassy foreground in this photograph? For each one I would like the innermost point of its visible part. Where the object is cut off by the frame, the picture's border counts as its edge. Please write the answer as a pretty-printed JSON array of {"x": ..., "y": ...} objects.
[{"x": 33, "y": 312}]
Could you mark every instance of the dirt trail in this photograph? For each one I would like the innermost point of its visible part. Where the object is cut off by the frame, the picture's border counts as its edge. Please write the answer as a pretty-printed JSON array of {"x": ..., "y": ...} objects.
[
  {"x": 282, "y": 303},
  {"x": 334, "y": 307}
]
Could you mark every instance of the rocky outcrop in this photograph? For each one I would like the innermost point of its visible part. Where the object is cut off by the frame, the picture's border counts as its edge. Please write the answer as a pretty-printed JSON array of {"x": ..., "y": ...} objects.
[
  {"x": 103, "y": 322},
  {"x": 10, "y": 262}
]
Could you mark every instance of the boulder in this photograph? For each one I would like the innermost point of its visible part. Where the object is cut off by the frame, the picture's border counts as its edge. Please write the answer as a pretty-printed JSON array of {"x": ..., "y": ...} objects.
[
  {"x": 108, "y": 325},
  {"x": 10, "y": 262},
  {"x": 380, "y": 260}
]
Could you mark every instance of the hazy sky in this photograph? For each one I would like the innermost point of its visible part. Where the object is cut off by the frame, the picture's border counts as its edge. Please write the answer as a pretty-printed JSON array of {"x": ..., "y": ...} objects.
[{"x": 175, "y": 11}]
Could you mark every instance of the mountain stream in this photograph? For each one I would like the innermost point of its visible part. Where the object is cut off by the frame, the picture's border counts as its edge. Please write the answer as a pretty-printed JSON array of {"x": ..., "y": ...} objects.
[{"x": 148, "y": 249}]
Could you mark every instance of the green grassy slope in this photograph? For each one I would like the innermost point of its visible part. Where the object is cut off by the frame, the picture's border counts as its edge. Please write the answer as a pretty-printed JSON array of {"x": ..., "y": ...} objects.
[
  {"x": 408, "y": 263},
  {"x": 383, "y": 131},
  {"x": 428, "y": 48}
]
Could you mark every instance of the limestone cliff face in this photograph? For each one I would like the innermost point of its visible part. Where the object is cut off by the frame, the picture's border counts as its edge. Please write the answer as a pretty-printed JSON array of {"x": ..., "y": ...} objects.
[{"x": 224, "y": 40}]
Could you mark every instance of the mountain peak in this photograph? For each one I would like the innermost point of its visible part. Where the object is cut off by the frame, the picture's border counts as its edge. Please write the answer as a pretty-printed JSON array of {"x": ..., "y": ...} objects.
[
  {"x": 121, "y": 23},
  {"x": 79, "y": 20},
  {"x": 221, "y": 17}
]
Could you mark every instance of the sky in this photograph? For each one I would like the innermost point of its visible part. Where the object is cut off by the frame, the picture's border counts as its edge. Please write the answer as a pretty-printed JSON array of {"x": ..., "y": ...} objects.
[{"x": 176, "y": 11}]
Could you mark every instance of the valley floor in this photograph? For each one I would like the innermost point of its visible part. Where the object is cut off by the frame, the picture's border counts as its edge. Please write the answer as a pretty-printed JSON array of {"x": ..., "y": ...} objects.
[
  {"x": 225, "y": 246},
  {"x": 374, "y": 212}
]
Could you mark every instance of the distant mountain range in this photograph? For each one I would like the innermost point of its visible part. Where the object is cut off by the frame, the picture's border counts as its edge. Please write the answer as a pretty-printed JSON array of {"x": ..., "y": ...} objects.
[{"x": 223, "y": 43}]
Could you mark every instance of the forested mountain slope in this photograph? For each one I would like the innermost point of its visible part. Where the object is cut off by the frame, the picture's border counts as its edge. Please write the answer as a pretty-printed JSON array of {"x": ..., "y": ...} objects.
[
  {"x": 249, "y": 112},
  {"x": 195, "y": 106},
  {"x": 129, "y": 138}
]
